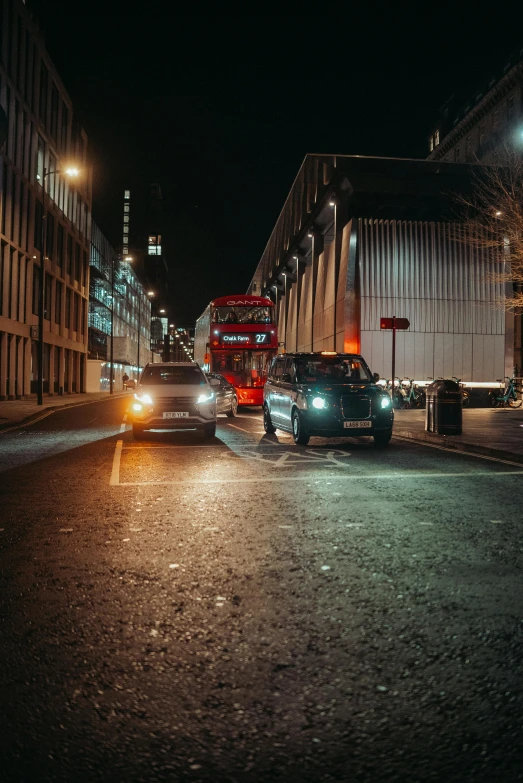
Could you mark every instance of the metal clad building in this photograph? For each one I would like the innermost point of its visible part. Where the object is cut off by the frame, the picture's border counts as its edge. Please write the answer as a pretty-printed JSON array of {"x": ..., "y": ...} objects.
[{"x": 362, "y": 238}]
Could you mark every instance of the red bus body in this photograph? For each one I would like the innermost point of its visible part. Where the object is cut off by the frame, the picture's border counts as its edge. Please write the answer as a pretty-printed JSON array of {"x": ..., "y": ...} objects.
[{"x": 239, "y": 348}]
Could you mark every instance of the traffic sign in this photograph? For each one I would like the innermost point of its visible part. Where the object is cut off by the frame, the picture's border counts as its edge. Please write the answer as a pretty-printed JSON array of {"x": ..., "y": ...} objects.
[{"x": 394, "y": 323}]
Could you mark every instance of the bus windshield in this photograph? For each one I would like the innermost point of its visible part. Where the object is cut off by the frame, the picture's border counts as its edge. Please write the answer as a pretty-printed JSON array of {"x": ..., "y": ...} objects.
[
  {"x": 242, "y": 315},
  {"x": 242, "y": 368}
]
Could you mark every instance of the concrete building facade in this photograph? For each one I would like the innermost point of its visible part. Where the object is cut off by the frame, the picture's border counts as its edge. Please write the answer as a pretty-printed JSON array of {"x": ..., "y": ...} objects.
[
  {"x": 359, "y": 239},
  {"x": 42, "y": 138}
]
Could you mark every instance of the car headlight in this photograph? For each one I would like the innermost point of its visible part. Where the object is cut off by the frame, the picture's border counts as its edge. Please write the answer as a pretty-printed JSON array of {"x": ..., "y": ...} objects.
[
  {"x": 319, "y": 403},
  {"x": 205, "y": 398},
  {"x": 386, "y": 402},
  {"x": 146, "y": 399},
  {"x": 137, "y": 406}
]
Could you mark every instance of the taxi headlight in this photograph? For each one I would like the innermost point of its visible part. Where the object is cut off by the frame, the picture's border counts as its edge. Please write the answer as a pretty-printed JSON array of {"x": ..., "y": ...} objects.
[
  {"x": 146, "y": 399},
  {"x": 319, "y": 403},
  {"x": 386, "y": 402},
  {"x": 137, "y": 406},
  {"x": 205, "y": 398}
]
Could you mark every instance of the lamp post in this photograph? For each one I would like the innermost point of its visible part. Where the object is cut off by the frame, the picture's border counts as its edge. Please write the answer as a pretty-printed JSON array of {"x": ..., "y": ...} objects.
[{"x": 71, "y": 172}]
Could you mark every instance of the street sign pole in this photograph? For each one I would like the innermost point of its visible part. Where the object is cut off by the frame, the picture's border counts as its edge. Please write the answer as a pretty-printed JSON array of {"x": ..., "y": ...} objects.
[
  {"x": 394, "y": 323},
  {"x": 393, "y": 353}
]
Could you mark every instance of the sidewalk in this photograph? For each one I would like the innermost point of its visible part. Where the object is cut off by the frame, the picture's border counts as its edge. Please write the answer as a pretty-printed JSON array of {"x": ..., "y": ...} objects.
[
  {"x": 491, "y": 432},
  {"x": 13, "y": 413}
]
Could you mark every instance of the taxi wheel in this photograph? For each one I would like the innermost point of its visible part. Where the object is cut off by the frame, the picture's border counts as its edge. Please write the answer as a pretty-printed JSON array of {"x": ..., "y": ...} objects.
[
  {"x": 268, "y": 426},
  {"x": 209, "y": 431},
  {"x": 382, "y": 438},
  {"x": 299, "y": 433},
  {"x": 138, "y": 432},
  {"x": 234, "y": 407}
]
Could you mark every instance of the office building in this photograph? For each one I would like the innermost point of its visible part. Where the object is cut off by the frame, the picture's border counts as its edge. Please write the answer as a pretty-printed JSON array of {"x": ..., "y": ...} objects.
[{"x": 42, "y": 140}]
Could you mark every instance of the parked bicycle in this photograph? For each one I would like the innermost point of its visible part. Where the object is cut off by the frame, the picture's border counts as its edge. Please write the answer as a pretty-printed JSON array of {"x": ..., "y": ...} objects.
[
  {"x": 465, "y": 394},
  {"x": 398, "y": 395},
  {"x": 511, "y": 395},
  {"x": 414, "y": 396}
]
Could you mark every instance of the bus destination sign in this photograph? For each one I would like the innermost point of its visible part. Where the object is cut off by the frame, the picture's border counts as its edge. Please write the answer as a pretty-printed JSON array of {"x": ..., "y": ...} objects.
[{"x": 260, "y": 338}]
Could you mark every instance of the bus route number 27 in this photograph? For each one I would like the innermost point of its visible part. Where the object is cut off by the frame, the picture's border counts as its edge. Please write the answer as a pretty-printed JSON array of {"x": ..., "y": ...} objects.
[{"x": 261, "y": 338}]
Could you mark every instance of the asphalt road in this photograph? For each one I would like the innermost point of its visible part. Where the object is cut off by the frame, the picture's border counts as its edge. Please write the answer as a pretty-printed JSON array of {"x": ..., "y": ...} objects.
[{"x": 243, "y": 609}]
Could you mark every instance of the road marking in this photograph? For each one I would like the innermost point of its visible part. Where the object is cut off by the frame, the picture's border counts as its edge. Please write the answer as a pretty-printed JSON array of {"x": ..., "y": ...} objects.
[
  {"x": 289, "y": 458},
  {"x": 123, "y": 425},
  {"x": 239, "y": 428},
  {"x": 310, "y": 479},
  {"x": 115, "y": 473}
]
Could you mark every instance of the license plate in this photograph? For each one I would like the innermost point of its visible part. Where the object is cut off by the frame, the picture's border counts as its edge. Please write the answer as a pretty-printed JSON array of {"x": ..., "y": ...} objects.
[
  {"x": 356, "y": 425},
  {"x": 176, "y": 415}
]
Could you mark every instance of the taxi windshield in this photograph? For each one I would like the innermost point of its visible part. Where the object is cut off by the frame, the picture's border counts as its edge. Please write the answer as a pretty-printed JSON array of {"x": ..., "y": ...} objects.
[{"x": 333, "y": 369}]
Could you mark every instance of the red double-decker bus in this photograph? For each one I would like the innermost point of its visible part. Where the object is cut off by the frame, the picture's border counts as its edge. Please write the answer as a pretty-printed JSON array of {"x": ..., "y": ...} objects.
[{"x": 236, "y": 336}]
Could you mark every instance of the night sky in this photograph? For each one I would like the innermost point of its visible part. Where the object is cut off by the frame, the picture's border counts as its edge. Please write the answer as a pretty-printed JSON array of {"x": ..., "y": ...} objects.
[{"x": 222, "y": 109}]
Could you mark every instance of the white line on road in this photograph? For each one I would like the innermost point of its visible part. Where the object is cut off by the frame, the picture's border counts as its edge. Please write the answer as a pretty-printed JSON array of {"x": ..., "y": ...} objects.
[
  {"x": 313, "y": 480},
  {"x": 115, "y": 473},
  {"x": 239, "y": 428}
]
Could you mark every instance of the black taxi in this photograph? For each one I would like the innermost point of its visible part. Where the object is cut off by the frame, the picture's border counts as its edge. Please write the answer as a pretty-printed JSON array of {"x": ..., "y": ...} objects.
[{"x": 328, "y": 394}]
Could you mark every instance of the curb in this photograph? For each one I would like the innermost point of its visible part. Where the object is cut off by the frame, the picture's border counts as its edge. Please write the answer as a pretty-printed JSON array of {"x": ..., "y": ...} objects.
[
  {"x": 446, "y": 442},
  {"x": 46, "y": 411}
]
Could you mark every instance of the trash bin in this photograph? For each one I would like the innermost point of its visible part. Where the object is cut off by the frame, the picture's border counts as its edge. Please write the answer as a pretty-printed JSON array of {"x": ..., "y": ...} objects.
[{"x": 444, "y": 412}]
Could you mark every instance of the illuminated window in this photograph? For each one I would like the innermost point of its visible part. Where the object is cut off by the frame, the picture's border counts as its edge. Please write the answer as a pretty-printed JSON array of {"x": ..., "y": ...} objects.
[
  {"x": 127, "y": 194},
  {"x": 126, "y": 207},
  {"x": 126, "y": 218},
  {"x": 436, "y": 138},
  {"x": 126, "y": 229}
]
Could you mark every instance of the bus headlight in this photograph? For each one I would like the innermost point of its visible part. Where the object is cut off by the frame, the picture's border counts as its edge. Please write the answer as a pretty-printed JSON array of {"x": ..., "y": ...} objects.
[{"x": 319, "y": 403}]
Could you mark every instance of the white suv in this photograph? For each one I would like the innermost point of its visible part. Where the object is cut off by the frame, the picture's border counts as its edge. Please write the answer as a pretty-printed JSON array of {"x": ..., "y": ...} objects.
[{"x": 174, "y": 396}]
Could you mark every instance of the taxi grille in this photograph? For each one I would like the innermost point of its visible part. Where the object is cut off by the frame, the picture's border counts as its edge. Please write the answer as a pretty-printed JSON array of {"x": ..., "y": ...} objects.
[{"x": 355, "y": 406}]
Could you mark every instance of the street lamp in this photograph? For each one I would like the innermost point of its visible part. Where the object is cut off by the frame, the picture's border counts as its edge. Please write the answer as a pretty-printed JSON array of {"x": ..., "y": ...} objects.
[{"x": 71, "y": 172}]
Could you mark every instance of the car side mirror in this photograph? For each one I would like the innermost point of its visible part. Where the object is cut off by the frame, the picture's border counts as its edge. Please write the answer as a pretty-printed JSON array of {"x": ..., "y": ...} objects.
[
  {"x": 214, "y": 381},
  {"x": 286, "y": 377},
  {"x": 376, "y": 377}
]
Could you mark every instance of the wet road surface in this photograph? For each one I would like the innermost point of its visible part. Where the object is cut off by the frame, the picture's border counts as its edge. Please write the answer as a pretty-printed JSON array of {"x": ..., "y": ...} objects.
[{"x": 242, "y": 609}]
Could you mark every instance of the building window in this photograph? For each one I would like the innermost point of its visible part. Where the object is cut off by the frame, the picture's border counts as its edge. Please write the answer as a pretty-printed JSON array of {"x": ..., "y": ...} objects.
[
  {"x": 58, "y": 303},
  {"x": 44, "y": 84},
  {"x": 47, "y": 297},
  {"x": 37, "y": 238},
  {"x": 49, "y": 237},
  {"x": 63, "y": 131},
  {"x": 77, "y": 262},
  {"x": 76, "y": 323},
  {"x": 60, "y": 245},
  {"x": 436, "y": 137},
  {"x": 40, "y": 159},
  {"x": 36, "y": 289},
  {"x": 69, "y": 255},
  {"x": 68, "y": 293},
  {"x": 54, "y": 113}
]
